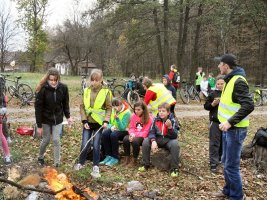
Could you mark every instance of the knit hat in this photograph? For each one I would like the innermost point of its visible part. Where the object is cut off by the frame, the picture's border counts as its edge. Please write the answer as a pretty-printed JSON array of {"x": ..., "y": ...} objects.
[{"x": 229, "y": 59}]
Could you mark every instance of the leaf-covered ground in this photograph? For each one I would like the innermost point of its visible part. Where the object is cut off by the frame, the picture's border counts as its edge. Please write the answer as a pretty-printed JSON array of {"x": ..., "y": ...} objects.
[{"x": 194, "y": 181}]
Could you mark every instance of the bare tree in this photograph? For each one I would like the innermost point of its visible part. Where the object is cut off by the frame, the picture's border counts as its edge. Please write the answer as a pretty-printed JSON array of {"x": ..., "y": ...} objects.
[{"x": 8, "y": 30}]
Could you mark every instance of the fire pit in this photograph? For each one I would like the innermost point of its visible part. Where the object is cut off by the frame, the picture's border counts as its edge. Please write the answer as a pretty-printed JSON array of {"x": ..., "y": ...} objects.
[{"x": 58, "y": 182}]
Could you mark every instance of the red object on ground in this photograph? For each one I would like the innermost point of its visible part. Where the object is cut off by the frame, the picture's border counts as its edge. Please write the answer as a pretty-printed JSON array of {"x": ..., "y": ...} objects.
[{"x": 25, "y": 130}]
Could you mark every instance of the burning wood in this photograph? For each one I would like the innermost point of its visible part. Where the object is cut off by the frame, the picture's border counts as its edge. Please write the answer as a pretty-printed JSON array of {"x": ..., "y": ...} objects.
[{"x": 60, "y": 181}]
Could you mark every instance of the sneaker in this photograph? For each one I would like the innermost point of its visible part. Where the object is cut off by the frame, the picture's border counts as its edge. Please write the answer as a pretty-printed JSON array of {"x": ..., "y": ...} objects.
[
  {"x": 107, "y": 159},
  {"x": 95, "y": 173},
  {"x": 8, "y": 160},
  {"x": 112, "y": 162},
  {"x": 41, "y": 161},
  {"x": 174, "y": 173},
  {"x": 213, "y": 168},
  {"x": 219, "y": 194},
  {"x": 9, "y": 141},
  {"x": 143, "y": 168},
  {"x": 78, "y": 166}
]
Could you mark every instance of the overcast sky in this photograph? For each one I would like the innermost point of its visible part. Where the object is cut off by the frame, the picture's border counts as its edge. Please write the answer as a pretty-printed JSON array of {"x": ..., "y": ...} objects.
[{"x": 57, "y": 12}]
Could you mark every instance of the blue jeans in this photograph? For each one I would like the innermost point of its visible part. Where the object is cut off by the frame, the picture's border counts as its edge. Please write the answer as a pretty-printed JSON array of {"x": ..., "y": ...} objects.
[
  {"x": 110, "y": 141},
  {"x": 87, "y": 134},
  {"x": 232, "y": 144}
]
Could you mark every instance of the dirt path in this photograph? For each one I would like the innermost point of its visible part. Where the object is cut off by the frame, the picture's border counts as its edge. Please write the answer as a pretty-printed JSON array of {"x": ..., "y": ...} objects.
[{"x": 27, "y": 114}]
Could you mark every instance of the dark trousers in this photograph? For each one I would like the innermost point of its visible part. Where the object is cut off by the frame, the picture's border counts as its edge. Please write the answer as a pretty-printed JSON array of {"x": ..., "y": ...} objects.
[
  {"x": 215, "y": 143},
  {"x": 198, "y": 88},
  {"x": 171, "y": 145},
  {"x": 136, "y": 144},
  {"x": 110, "y": 140}
]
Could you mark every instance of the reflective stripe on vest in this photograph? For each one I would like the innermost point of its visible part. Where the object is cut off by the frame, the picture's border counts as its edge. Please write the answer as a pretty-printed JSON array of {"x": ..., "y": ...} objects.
[
  {"x": 96, "y": 112},
  {"x": 121, "y": 115},
  {"x": 227, "y": 108},
  {"x": 163, "y": 95}
]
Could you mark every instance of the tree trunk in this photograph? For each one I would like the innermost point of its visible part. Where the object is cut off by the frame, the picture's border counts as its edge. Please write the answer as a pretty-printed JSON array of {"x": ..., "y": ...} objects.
[
  {"x": 166, "y": 35},
  {"x": 158, "y": 38},
  {"x": 196, "y": 44},
  {"x": 184, "y": 37},
  {"x": 180, "y": 34}
]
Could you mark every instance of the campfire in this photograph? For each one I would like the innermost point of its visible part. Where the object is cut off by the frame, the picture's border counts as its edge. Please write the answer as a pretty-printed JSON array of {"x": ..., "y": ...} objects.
[{"x": 59, "y": 182}]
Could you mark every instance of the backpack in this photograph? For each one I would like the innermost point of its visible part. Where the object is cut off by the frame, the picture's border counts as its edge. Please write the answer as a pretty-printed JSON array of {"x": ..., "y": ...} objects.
[
  {"x": 176, "y": 77},
  {"x": 260, "y": 137}
]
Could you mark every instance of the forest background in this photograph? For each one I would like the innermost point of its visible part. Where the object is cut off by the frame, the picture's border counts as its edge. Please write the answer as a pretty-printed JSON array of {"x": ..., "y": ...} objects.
[{"x": 144, "y": 36}]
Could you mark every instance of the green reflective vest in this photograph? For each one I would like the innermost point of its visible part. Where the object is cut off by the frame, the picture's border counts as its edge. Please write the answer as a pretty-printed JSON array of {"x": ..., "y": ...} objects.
[
  {"x": 163, "y": 95},
  {"x": 199, "y": 78},
  {"x": 121, "y": 115},
  {"x": 96, "y": 112},
  {"x": 227, "y": 108}
]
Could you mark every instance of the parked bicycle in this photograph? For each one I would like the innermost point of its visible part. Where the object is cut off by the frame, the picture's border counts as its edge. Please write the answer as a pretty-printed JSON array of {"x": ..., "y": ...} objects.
[
  {"x": 131, "y": 93},
  {"x": 117, "y": 90},
  {"x": 188, "y": 91},
  {"x": 259, "y": 95},
  {"x": 21, "y": 91},
  {"x": 83, "y": 83}
]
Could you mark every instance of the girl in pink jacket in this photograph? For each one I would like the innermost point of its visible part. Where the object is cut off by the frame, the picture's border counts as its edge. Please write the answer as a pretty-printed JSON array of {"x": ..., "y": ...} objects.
[{"x": 140, "y": 124}]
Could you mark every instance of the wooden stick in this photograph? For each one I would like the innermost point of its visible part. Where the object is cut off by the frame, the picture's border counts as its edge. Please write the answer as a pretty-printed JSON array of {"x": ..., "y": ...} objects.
[{"x": 29, "y": 188}]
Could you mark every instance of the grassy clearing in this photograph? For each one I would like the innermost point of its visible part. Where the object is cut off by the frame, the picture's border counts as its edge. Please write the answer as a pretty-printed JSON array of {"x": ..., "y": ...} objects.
[{"x": 194, "y": 182}]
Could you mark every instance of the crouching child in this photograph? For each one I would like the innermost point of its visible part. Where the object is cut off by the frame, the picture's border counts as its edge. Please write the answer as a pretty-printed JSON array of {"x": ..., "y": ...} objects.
[{"x": 163, "y": 134}]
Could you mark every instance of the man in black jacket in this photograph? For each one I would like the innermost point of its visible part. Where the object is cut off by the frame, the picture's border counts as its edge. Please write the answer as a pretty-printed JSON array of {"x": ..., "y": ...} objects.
[{"x": 235, "y": 105}]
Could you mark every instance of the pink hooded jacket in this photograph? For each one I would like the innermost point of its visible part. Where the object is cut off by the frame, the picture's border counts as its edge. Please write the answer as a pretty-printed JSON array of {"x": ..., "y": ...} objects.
[{"x": 138, "y": 129}]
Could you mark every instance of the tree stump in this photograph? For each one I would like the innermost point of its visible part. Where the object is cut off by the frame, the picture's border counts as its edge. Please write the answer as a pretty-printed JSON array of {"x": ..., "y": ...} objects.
[
  {"x": 162, "y": 159},
  {"x": 260, "y": 158}
]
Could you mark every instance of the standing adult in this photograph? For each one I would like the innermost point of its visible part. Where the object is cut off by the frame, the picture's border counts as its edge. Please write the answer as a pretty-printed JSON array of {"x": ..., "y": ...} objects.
[
  {"x": 52, "y": 103},
  {"x": 156, "y": 94},
  {"x": 235, "y": 105},
  {"x": 199, "y": 77}
]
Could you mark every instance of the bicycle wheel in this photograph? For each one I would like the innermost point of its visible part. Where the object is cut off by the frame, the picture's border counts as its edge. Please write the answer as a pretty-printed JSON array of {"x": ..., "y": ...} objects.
[
  {"x": 256, "y": 96},
  {"x": 25, "y": 92},
  {"x": 196, "y": 95},
  {"x": 184, "y": 95},
  {"x": 118, "y": 91},
  {"x": 133, "y": 97}
]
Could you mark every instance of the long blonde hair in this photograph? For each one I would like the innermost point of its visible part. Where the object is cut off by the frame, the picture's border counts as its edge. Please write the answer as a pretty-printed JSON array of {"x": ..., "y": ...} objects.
[
  {"x": 96, "y": 73},
  {"x": 52, "y": 71}
]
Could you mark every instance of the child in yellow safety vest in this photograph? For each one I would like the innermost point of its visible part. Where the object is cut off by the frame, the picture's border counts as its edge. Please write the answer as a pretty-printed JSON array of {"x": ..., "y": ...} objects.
[
  {"x": 95, "y": 111},
  {"x": 117, "y": 130}
]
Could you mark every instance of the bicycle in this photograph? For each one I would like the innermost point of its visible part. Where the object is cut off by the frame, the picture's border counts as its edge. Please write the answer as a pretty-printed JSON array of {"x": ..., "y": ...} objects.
[
  {"x": 117, "y": 90},
  {"x": 131, "y": 92},
  {"x": 187, "y": 92},
  {"x": 21, "y": 91},
  {"x": 83, "y": 84},
  {"x": 259, "y": 95}
]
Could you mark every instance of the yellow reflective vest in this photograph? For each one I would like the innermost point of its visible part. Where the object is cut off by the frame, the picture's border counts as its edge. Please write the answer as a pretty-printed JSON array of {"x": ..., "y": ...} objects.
[
  {"x": 163, "y": 95},
  {"x": 96, "y": 111},
  {"x": 199, "y": 77},
  {"x": 227, "y": 108},
  {"x": 121, "y": 115}
]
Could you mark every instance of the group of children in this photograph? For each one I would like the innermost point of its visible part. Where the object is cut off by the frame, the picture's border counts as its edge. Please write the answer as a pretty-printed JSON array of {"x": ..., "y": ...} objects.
[{"x": 107, "y": 120}]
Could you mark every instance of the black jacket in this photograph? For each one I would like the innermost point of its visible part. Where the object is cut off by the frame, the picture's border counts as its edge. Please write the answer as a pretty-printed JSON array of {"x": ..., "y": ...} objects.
[
  {"x": 240, "y": 95},
  {"x": 213, "y": 110},
  {"x": 51, "y": 104}
]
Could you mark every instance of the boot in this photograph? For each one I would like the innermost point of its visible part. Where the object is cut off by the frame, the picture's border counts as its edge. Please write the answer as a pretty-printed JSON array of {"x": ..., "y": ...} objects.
[
  {"x": 126, "y": 160},
  {"x": 133, "y": 162}
]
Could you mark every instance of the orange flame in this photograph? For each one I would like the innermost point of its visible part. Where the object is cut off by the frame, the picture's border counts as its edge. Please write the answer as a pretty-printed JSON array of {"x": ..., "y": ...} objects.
[{"x": 60, "y": 181}]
